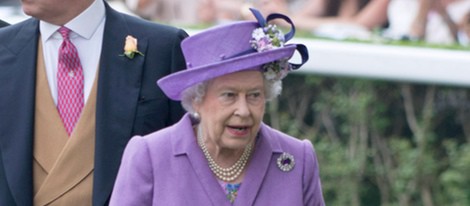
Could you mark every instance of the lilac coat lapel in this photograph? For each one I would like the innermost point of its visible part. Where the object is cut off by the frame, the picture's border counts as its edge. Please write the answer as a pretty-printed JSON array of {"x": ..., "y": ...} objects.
[
  {"x": 254, "y": 176},
  {"x": 257, "y": 169},
  {"x": 184, "y": 142}
]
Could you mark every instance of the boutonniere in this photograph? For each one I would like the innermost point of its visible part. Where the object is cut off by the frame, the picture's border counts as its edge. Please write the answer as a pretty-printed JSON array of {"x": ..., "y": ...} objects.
[{"x": 130, "y": 47}]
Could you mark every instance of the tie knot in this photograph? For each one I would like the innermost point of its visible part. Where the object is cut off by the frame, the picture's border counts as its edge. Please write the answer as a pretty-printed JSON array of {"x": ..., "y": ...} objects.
[{"x": 64, "y": 31}]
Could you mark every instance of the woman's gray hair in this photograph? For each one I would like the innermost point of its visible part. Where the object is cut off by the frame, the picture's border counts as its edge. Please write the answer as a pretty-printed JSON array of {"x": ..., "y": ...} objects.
[{"x": 195, "y": 93}]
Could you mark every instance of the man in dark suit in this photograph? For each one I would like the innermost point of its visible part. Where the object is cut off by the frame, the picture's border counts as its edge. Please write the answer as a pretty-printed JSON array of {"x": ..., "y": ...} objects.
[
  {"x": 41, "y": 163},
  {"x": 2, "y": 24}
]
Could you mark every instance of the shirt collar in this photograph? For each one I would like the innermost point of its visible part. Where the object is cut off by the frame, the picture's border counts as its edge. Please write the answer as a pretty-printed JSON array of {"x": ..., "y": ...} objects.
[{"x": 83, "y": 25}]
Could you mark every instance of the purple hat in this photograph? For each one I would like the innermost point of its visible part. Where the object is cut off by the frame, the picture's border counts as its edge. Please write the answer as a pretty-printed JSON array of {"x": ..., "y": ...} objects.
[{"x": 231, "y": 48}]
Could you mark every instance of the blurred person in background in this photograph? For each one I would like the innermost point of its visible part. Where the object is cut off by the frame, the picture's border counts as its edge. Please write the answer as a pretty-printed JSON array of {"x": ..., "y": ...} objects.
[
  {"x": 334, "y": 19},
  {"x": 332, "y": 8},
  {"x": 464, "y": 30},
  {"x": 225, "y": 11},
  {"x": 169, "y": 11},
  {"x": 432, "y": 21},
  {"x": 309, "y": 9},
  {"x": 312, "y": 9},
  {"x": 184, "y": 12}
]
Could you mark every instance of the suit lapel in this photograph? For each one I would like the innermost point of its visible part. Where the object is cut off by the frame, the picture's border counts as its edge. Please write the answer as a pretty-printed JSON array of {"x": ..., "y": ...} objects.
[
  {"x": 184, "y": 142},
  {"x": 16, "y": 128},
  {"x": 257, "y": 169},
  {"x": 118, "y": 92},
  {"x": 211, "y": 187}
]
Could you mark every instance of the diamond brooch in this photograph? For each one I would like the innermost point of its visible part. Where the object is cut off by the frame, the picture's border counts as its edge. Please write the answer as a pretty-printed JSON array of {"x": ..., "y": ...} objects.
[{"x": 286, "y": 162}]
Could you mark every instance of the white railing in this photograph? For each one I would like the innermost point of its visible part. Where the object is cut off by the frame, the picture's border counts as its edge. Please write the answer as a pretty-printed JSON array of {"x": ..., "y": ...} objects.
[{"x": 387, "y": 62}]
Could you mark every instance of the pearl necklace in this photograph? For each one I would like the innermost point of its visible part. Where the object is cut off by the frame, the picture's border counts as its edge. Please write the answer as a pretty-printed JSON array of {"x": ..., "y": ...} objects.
[{"x": 225, "y": 174}]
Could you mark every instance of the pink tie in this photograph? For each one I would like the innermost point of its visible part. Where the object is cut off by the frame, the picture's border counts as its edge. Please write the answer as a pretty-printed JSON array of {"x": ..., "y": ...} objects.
[{"x": 69, "y": 83}]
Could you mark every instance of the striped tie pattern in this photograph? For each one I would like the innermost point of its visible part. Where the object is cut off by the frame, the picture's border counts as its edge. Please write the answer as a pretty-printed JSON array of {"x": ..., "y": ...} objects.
[{"x": 69, "y": 83}]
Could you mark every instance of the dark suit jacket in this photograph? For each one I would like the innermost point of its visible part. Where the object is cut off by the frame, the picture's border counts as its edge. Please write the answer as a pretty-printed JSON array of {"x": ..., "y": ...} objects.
[
  {"x": 128, "y": 100},
  {"x": 2, "y": 24}
]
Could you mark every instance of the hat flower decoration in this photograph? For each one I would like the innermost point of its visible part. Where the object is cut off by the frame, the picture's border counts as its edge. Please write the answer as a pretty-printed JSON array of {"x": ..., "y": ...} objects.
[
  {"x": 234, "y": 47},
  {"x": 268, "y": 38}
]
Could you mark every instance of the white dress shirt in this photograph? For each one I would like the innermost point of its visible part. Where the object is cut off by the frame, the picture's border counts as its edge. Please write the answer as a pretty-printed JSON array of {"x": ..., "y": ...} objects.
[{"x": 87, "y": 36}]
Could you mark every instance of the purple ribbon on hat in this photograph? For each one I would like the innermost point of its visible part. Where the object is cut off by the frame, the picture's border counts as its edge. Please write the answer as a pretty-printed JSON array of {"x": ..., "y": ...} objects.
[{"x": 302, "y": 49}]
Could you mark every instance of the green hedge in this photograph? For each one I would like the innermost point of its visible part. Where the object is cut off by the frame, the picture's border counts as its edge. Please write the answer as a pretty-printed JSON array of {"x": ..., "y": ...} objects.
[{"x": 379, "y": 142}]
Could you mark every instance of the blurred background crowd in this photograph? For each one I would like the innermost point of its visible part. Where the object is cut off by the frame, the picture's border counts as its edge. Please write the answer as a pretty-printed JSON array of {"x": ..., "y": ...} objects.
[
  {"x": 380, "y": 142},
  {"x": 433, "y": 21}
]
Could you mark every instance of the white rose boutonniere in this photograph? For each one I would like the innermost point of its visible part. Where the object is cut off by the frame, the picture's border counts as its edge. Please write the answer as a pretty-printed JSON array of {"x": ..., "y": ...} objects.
[{"x": 130, "y": 47}]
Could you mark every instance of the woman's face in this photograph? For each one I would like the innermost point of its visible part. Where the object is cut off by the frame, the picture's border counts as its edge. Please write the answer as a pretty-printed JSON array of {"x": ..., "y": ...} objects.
[{"x": 232, "y": 110}]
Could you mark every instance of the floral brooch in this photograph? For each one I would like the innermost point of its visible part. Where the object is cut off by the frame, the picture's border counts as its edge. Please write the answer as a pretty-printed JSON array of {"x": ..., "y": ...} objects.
[
  {"x": 286, "y": 162},
  {"x": 130, "y": 47}
]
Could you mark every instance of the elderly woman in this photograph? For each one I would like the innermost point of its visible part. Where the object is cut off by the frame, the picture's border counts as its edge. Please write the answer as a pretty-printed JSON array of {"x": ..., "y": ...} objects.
[{"x": 221, "y": 152}]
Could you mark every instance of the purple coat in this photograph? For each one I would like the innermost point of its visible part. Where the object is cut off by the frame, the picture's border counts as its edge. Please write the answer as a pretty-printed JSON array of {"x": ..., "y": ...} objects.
[{"x": 167, "y": 167}]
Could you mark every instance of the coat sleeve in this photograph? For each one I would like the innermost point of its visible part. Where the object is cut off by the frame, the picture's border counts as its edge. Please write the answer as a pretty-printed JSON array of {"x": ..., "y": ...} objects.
[
  {"x": 311, "y": 177},
  {"x": 134, "y": 183}
]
